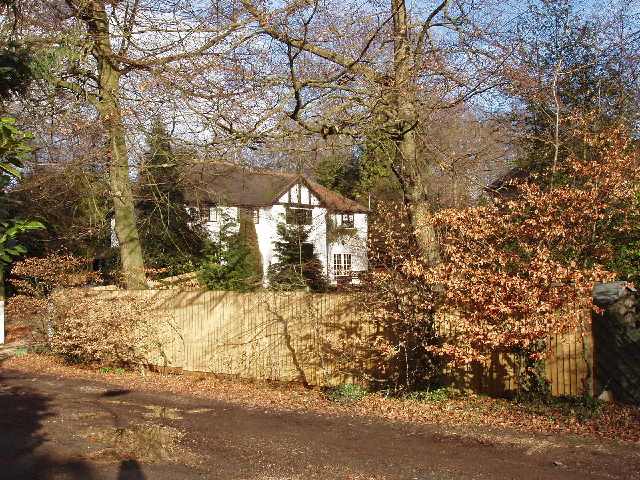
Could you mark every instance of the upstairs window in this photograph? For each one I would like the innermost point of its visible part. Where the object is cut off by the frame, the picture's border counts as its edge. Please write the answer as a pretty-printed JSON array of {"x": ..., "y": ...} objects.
[
  {"x": 204, "y": 212},
  {"x": 346, "y": 220},
  {"x": 298, "y": 216},
  {"x": 208, "y": 213}
]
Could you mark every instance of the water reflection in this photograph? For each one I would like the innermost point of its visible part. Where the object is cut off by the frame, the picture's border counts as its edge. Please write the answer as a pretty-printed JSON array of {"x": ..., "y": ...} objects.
[{"x": 143, "y": 442}]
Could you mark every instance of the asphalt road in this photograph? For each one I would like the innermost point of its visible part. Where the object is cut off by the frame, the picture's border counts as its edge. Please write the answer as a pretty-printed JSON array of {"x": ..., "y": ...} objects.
[{"x": 59, "y": 428}]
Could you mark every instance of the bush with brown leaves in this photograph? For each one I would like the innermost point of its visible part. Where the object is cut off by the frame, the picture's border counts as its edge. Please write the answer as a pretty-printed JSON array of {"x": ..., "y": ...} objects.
[
  {"x": 116, "y": 330},
  {"x": 72, "y": 322}
]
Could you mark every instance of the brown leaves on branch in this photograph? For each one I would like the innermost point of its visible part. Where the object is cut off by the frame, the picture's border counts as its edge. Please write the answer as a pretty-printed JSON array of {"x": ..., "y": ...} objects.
[
  {"x": 520, "y": 270},
  {"x": 107, "y": 331},
  {"x": 71, "y": 322}
]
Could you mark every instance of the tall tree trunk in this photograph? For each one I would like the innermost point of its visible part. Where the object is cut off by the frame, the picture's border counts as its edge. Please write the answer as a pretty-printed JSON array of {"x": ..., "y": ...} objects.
[
  {"x": 126, "y": 228},
  {"x": 407, "y": 166},
  {"x": 119, "y": 175}
]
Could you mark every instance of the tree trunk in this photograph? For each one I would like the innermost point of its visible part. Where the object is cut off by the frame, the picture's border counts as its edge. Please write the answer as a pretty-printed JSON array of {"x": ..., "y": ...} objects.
[
  {"x": 123, "y": 204},
  {"x": 119, "y": 176},
  {"x": 407, "y": 166}
]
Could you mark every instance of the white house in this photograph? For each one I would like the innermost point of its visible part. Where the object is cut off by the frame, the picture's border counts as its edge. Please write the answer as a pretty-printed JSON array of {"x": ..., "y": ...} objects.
[{"x": 337, "y": 225}]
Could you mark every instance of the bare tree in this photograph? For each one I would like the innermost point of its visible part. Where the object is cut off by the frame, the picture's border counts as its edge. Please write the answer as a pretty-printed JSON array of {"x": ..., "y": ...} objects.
[
  {"x": 570, "y": 64},
  {"x": 106, "y": 54},
  {"x": 376, "y": 68}
]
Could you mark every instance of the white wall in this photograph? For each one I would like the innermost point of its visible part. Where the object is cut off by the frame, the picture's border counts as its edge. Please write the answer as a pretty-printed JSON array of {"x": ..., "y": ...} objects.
[
  {"x": 355, "y": 244},
  {"x": 217, "y": 216},
  {"x": 267, "y": 231}
]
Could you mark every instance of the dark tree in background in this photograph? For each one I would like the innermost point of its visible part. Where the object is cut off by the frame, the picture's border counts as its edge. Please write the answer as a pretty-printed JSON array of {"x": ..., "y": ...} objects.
[
  {"x": 171, "y": 240},
  {"x": 15, "y": 70},
  {"x": 15, "y": 59},
  {"x": 72, "y": 200},
  {"x": 229, "y": 260},
  {"x": 342, "y": 175}
]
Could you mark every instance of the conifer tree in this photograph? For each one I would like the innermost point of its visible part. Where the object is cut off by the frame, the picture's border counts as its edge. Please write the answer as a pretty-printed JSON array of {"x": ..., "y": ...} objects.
[
  {"x": 228, "y": 261},
  {"x": 297, "y": 265},
  {"x": 170, "y": 240}
]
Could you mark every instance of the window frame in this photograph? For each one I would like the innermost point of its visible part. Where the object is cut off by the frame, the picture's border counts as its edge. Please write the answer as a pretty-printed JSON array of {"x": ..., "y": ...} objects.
[
  {"x": 207, "y": 213},
  {"x": 342, "y": 264},
  {"x": 348, "y": 220}
]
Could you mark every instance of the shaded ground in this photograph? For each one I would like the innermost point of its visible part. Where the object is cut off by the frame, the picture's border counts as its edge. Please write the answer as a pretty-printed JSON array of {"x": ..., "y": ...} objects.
[{"x": 76, "y": 428}]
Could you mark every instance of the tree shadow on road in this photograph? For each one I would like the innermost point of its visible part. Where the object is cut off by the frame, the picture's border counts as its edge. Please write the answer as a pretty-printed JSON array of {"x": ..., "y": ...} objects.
[{"x": 23, "y": 442}]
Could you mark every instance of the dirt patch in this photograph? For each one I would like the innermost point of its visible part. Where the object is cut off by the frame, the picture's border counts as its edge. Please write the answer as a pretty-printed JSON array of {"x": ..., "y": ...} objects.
[
  {"x": 103, "y": 427},
  {"x": 612, "y": 421}
]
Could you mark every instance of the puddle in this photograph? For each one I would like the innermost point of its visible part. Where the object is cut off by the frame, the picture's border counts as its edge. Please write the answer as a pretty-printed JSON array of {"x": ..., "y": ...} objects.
[
  {"x": 200, "y": 410},
  {"x": 162, "y": 412},
  {"x": 141, "y": 442},
  {"x": 158, "y": 411},
  {"x": 92, "y": 389}
]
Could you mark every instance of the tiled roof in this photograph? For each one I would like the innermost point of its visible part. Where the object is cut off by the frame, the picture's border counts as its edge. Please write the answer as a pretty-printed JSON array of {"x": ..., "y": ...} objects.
[
  {"x": 332, "y": 200},
  {"x": 221, "y": 183},
  {"x": 512, "y": 178}
]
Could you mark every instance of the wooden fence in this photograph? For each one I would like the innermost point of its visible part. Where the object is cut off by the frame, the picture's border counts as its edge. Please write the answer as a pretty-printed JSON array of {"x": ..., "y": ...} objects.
[{"x": 318, "y": 339}]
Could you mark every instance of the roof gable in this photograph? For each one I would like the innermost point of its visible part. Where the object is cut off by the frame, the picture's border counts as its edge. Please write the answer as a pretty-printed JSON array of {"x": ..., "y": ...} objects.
[
  {"x": 223, "y": 183},
  {"x": 299, "y": 194}
]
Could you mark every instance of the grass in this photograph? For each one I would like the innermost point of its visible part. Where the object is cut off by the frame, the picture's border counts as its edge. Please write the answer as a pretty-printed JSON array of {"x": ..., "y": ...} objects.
[
  {"x": 115, "y": 370},
  {"x": 346, "y": 392},
  {"x": 23, "y": 351},
  {"x": 431, "y": 396}
]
